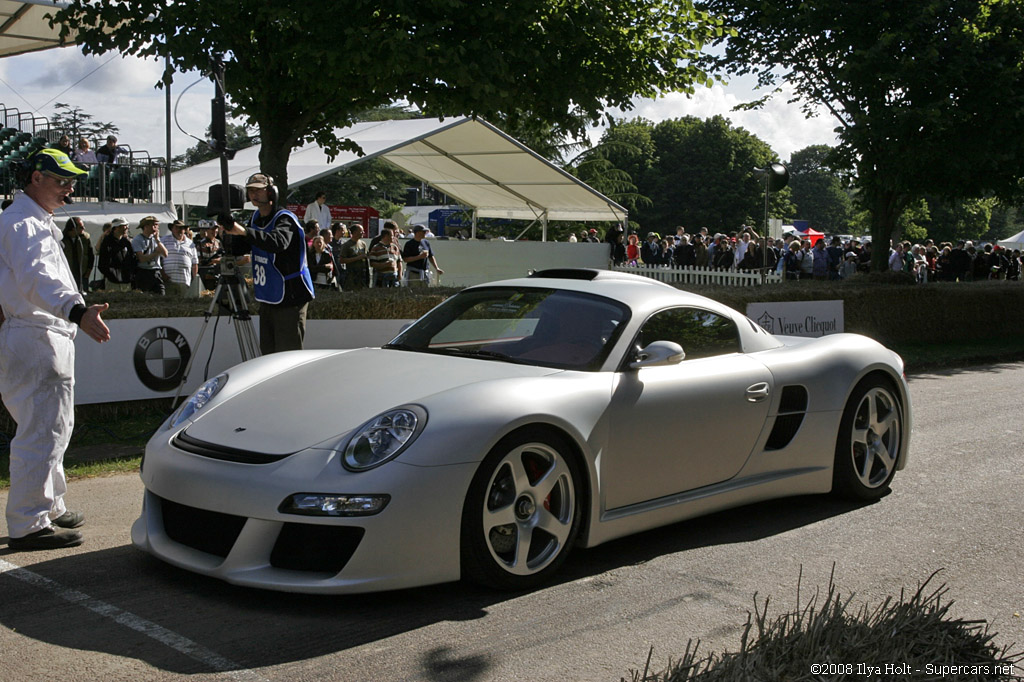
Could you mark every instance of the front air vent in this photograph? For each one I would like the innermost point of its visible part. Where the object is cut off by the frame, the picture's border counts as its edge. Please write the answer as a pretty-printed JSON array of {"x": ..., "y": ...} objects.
[
  {"x": 222, "y": 452},
  {"x": 792, "y": 408}
]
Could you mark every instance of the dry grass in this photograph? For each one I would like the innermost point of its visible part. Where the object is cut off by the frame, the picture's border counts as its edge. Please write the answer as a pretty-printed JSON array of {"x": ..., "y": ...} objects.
[{"x": 917, "y": 632}]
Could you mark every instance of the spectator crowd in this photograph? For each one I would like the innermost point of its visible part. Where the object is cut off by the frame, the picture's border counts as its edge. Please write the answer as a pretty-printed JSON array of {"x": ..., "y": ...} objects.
[
  {"x": 796, "y": 257},
  {"x": 182, "y": 263}
]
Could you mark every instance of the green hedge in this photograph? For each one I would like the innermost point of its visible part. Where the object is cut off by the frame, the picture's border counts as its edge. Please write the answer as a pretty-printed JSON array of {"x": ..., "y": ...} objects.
[{"x": 884, "y": 308}]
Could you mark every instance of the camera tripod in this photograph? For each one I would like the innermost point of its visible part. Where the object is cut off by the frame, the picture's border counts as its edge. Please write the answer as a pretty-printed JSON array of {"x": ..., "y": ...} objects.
[{"x": 231, "y": 296}]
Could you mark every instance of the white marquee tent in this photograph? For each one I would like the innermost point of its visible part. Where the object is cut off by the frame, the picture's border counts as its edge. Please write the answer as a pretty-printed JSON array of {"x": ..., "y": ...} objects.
[
  {"x": 467, "y": 159},
  {"x": 1014, "y": 242},
  {"x": 24, "y": 27}
]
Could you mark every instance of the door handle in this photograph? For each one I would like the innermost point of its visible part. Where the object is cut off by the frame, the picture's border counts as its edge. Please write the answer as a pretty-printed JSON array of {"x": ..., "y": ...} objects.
[{"x": 757, "y": 392}]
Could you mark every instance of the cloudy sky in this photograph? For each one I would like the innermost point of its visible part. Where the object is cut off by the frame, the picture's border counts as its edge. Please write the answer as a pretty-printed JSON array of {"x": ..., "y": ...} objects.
[{"x": 121, "y": 90}]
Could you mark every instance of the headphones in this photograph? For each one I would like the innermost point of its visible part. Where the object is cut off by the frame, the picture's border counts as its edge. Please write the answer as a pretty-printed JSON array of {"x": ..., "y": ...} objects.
[{"x": 271, "y": 187}]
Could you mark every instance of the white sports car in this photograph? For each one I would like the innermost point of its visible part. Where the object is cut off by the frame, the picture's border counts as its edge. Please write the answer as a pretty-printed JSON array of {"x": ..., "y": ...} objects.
[{"x": 511, "y": 423}]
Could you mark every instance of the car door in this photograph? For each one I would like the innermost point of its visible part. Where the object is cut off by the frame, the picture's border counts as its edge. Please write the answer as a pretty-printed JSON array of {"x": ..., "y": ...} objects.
[{"x": 679, "y": 427}]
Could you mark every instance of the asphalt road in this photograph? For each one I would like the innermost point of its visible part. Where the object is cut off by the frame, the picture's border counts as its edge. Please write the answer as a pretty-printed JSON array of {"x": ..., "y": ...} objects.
[{"x": 105, "y": 611}]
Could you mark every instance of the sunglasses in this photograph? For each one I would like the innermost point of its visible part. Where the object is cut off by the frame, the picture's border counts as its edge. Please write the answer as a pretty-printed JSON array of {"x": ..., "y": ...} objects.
[{"x": 64, "y": 183}]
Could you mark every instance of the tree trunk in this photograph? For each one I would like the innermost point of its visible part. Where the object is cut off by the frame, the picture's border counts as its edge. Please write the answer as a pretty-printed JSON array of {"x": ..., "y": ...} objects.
[
  {"x": 886, "y": 209},
  {"x": 274, "y": 162}
]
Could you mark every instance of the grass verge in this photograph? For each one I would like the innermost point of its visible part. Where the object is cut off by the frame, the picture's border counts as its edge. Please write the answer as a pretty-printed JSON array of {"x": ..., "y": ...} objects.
[
  {"x": 107, "y": 439},
  {"x": 916, "y": 636}
]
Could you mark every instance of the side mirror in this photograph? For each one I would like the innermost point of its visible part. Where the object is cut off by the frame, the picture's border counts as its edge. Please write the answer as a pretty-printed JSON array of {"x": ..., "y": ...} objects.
[{"x": 659, "y": 354}]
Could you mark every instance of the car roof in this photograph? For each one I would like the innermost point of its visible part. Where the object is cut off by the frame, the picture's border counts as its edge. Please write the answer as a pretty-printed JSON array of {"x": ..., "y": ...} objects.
[{"x": 641, "y": 294}]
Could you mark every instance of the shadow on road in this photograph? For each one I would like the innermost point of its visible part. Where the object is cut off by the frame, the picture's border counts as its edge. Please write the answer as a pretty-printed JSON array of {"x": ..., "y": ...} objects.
[{"x": 255, "y": 628}]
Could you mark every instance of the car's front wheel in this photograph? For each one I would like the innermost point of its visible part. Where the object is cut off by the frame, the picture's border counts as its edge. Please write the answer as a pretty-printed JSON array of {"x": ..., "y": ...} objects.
[
  {"x": 870, "y": 437},
  {"x": 522, "y": 512}
]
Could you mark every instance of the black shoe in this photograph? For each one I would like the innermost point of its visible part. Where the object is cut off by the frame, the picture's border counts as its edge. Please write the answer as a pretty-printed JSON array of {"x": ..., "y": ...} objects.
[
  {"x": 69, "y": 519},
  {"x": 47, "y": 538}
]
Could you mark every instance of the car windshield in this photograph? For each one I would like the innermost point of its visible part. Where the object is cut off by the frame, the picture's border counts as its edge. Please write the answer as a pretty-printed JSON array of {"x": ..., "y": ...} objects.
[{"x": 546, "y": 327}]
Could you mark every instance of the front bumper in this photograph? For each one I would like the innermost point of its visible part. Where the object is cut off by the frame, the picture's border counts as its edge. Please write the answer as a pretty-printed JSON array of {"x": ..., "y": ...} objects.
[{"x": 221, "y": 519}]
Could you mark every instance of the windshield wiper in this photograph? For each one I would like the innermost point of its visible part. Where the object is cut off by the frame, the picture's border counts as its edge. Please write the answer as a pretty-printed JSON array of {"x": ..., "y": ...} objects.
[
  {"x": 401, "y": 346},
  {"x": 477, "y": 353}
]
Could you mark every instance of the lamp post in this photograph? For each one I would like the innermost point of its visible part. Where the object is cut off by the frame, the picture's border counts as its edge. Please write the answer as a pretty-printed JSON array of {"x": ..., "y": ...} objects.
[{"x": 776, "y": 177}]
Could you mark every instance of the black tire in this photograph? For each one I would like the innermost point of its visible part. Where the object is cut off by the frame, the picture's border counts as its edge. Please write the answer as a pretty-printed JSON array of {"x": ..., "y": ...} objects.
[
  {"x": 869, "y": 441},
  {"x": 522, "y": 512}
]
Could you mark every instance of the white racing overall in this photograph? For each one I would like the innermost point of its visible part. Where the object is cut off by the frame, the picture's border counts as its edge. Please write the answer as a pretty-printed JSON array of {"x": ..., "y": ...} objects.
[{"x": 37, "y": 361}]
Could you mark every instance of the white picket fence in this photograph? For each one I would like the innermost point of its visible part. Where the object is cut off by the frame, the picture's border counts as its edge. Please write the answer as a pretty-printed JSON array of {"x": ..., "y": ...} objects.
[{"x": 691, "y": 274}]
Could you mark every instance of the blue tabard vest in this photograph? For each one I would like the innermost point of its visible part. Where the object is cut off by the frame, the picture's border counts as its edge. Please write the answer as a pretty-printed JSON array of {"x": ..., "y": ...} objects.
[{"x": 268, "y": 281}]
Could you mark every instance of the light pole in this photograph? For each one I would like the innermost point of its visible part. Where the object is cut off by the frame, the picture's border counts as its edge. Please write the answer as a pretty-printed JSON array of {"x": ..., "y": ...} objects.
[{"x": 776, "y": 177}]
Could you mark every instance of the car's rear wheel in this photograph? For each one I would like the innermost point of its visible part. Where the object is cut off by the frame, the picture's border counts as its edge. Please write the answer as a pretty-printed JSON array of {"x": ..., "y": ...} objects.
[
  {"x": 870, "y": 437},
  {"x": 522, "y": 512}
]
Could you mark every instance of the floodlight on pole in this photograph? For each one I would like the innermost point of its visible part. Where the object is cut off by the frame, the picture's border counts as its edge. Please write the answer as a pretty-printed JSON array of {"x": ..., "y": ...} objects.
[{"x": 776, "y": 177}]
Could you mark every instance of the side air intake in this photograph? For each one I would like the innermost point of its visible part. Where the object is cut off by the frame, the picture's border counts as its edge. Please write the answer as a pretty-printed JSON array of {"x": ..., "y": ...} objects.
[{"x": 792, "y": 408}]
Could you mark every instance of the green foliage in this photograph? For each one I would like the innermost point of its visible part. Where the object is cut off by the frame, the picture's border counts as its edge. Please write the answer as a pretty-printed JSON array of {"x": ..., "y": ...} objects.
[
  {"x": 913, "y": 222},
  {"x": 594, "y": 167},
  {"x": 297, "y": 70},
  {"x": 926, "y": 93},
  {"x": 373, "y": 182},
  {"x": 950, "y": 221},
  {"x": 915, "y": 630},
  {"x": 821, "y": 190},
  {"x": 697, "y": 173},
  {"x": 1006, "y": 221},
  {"x": 77, "y": 123}
]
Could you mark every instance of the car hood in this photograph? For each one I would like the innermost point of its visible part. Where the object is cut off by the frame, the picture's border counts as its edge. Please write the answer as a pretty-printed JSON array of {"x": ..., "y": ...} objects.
[{"x": 320, "y": 400}]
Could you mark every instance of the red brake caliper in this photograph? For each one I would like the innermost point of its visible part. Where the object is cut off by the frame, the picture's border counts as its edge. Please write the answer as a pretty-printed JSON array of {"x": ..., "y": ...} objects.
[{"x": 534, "y": 471}]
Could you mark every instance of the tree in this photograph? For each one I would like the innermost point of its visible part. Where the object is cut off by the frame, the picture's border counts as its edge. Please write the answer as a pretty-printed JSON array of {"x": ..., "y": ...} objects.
[
  {"x": 818, "y": 191},
  {"x": 927, "y": 94},
  {"x": 373, "y": 182},
  {"x": 950, "y": 221},
  {"x": 238, "y": 137},
  {"x": 297, "y": 70},
  {"x": 77, "y": 123},
  {"x": 697, "y": 173}
]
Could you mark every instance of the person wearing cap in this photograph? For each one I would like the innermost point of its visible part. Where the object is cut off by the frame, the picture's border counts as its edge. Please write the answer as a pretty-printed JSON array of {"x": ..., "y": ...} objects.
[
  {"x": 149, "y": 255},
  {"x": 281, "y": 280},
  {"x": 181, "y": 264},
  {"x": 117, "y": 259},
  {"x": 417, "y": 255},
  {"x": 42, "y": 310}
]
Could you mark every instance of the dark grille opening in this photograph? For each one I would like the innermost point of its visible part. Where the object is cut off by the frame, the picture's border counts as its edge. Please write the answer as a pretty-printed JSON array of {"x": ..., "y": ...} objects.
[
  {"x": 794, "y": 399},
  {"x": 324, "y": 549},
  {"x": 785, "y": 428},
  {"x": 207, "y": 531}
]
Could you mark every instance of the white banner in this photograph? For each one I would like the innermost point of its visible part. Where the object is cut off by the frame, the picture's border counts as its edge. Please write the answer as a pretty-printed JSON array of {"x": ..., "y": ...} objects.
[
  {"x": 147, "y": 358},
  {"x": 798, "y": 318}
]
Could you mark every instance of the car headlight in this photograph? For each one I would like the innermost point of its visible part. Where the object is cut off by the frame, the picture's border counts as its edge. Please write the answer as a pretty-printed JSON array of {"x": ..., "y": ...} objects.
[
  {"x": 197, "y": 401},
  {"x": 383, "y": 438}
]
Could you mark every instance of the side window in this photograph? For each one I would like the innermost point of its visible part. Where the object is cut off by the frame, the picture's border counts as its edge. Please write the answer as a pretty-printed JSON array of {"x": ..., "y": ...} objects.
[{"x": 701, "y": 333}]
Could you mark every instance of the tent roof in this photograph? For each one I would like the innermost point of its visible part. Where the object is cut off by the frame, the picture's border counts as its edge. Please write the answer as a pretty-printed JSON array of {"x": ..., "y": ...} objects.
[
  {"x": 1014, "y": 242},
  {"x": 467, "y": 159},
  {"x": 24, "y": 28}
]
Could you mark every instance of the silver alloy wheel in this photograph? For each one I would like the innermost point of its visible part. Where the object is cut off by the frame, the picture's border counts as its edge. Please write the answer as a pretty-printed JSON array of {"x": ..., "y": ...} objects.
[
  {"x": 528, "y": 509},
  {"x": 875, "y": 437}
]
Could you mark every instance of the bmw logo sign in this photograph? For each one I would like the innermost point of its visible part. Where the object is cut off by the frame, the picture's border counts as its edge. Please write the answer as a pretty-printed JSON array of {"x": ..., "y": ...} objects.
[{"x": 161, "y": 356}]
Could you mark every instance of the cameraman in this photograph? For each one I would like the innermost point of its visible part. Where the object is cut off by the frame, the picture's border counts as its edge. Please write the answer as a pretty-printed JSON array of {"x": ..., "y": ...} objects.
[
  {"x": 210, "y": 250},
  {"x": 280, "y": 276}
]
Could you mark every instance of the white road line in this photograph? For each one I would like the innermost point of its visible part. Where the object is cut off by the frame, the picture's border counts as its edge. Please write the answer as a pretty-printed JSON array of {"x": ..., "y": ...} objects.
[{"x": 161, "y": 634}]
